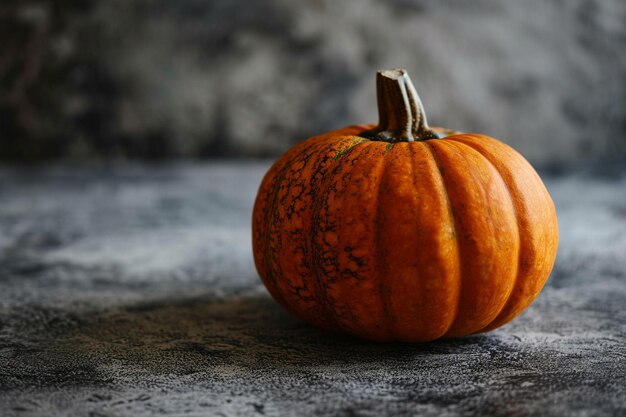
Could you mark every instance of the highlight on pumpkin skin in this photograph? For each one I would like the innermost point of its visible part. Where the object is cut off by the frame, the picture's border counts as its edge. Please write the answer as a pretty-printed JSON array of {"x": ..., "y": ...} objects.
[{"x": 392, "y": 239}]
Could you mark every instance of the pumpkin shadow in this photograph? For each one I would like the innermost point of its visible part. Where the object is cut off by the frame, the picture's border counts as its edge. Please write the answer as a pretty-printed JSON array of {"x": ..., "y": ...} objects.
[{"x": 202, "y": 333}]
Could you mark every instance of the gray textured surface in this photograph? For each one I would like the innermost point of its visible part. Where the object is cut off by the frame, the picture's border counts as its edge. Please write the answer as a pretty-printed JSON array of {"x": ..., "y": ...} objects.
[
  {"x": 250, "y": 77},
  {"x": 130, "y": 291}
]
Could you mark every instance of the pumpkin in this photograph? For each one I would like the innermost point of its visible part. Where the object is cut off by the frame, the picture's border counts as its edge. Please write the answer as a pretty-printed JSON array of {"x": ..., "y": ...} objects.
[{"x": 402, "y": 232}]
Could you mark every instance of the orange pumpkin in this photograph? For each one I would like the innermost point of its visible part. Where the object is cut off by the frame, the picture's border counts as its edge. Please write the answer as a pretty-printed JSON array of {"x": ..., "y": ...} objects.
[{"x": 403, "y": 232}]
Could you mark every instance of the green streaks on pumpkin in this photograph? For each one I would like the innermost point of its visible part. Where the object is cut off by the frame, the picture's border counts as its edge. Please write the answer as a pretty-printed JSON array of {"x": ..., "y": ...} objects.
[
  {"x": 355, "y": 141},
  {"x": 388, "y": 148}
]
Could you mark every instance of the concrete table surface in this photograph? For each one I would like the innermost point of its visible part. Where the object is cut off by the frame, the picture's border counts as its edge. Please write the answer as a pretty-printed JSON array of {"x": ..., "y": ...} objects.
[{"x": 131, "y": 291}]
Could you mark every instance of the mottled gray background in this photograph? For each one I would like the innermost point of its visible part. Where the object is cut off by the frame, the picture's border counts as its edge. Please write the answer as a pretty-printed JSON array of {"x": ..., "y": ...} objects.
[{"x": 197, "y": 78}]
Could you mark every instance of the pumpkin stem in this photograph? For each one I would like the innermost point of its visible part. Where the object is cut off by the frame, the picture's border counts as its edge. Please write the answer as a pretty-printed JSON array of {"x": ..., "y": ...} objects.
[{"x": 401, "y": 115}]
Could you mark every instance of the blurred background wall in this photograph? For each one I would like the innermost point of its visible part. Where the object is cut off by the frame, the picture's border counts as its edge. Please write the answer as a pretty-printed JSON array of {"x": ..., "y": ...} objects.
[{"x": 84, "y": 79}]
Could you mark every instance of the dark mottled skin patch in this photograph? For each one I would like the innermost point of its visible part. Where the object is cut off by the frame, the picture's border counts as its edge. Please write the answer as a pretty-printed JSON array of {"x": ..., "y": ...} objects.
[{"x": 292, "y": 194}]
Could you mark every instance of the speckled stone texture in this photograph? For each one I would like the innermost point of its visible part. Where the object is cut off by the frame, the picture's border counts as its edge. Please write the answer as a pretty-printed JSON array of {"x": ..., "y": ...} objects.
[{"x": 130, "y": 291}]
